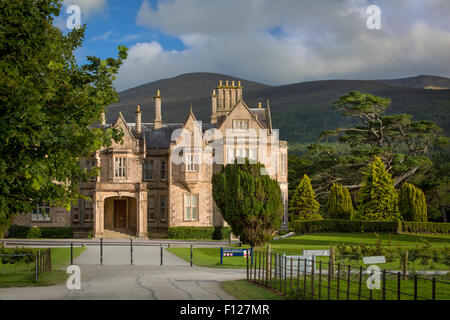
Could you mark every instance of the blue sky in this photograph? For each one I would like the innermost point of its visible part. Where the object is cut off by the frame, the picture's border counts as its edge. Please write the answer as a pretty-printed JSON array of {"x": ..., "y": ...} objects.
[{"x": 273, "y": 42}]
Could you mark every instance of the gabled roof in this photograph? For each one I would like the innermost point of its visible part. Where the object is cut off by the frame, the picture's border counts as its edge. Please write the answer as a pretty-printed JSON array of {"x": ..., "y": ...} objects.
[{"x": 249, "y": 111}]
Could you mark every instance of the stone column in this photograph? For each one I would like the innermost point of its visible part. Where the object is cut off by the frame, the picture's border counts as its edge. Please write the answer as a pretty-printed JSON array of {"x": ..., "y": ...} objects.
[
  {"x": 141, "y": 212},
  {"x": 99, "y": 216}
]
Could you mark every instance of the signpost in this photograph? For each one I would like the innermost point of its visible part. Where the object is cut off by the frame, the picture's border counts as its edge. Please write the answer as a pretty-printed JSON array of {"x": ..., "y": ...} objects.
[
  {"x": 316, "y": 253},
  {"x": 374, "y": 259},
  {"x": 235, "y": 253}
]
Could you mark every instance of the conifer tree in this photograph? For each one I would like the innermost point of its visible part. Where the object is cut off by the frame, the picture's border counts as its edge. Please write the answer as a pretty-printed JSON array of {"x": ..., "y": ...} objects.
[
  {"x": 412, "y": 203},
  {"x": 339, "y": 204},
  {"x": 303, "y": 204},
  {"x": 378, "y": 199}
]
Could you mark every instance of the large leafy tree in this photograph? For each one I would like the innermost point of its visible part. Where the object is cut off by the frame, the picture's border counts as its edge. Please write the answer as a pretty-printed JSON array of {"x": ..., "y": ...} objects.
[
  {"x": 248, "y": 201},
  {"x": 377, "y": 198},
  {"x": 48, "y": 105},
  {"x": 402, "y": 144},
  {"x": 303, "y": 204}
]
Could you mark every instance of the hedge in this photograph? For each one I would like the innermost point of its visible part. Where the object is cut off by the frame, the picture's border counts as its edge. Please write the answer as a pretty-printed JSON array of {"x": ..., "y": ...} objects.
[
  {"x": 356, "y": 226},
  {"x": 214, "y": 233},
  {"x": 23, "y": 232},
  {"x": 425, "y": 227}
]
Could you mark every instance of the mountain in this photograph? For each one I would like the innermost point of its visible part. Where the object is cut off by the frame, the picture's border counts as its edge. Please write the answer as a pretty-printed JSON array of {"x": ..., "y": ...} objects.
[{"x": 300, "y": 110}]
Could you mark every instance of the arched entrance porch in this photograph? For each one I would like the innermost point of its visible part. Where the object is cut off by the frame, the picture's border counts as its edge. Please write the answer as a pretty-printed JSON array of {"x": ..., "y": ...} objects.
[{"x": 120, "y": 216}]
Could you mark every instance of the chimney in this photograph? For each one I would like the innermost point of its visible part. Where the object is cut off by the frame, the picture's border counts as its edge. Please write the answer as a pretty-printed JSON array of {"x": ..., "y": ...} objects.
[
  {"x": 214, "y": 107},
  {"x": 158, "y": 120},
  {"x": 138, "y": 119},
  {"x": 103, "y": 119}
]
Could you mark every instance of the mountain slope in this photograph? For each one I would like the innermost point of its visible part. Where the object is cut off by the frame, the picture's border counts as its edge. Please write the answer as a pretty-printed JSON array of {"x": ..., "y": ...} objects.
[{"x": 300, "y": 110}]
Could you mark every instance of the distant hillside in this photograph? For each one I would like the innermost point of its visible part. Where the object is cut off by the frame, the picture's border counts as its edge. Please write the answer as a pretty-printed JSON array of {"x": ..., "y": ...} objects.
[
  {"x": 422, "y": 82},
  {"x": 301, "y": 110}
]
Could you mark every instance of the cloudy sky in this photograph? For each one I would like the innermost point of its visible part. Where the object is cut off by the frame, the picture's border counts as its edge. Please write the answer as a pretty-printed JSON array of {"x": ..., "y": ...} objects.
[{"x": 273, "y": 42}]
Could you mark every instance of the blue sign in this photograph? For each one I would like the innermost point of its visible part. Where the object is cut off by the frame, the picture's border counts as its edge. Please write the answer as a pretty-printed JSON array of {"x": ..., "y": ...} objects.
[{"x": 234, "y": 253}]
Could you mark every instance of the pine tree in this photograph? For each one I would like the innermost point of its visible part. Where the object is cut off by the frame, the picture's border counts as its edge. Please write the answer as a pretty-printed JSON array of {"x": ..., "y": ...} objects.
[
  {"x": 303, "y": 204},
  {"x": 339, "y": 204},
  {"x": 412, "y": 203},
  {"x": 378, "y": 199}
]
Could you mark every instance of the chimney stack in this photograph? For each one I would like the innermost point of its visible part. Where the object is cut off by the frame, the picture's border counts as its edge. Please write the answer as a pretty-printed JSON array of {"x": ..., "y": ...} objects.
[
  {"x": 214, "y": 107},
  {"x": 138, "y": 119},
  {"x": 158, "y": 121}
]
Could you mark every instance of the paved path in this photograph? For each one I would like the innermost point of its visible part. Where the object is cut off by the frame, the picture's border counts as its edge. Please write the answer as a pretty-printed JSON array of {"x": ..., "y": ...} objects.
[{"x": 145, "y": 279}]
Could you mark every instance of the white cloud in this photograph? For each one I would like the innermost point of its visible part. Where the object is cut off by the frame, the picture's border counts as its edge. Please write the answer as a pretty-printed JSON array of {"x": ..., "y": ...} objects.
[
  {"x": 316, "y": 40},
  {"x": 88, "y": 8}
]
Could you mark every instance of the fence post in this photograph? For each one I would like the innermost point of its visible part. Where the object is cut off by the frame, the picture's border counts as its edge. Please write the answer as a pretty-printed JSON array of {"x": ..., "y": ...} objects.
[
  {"x": 415, "y": 287},
  {"x": 320, "y": 278},
  {"x": 312, "y": 277},
  {"x": 131, "y": 251},
  {"x": 192, "y": 256},
  {"x": 161, "y": 253},
  {"x": 405, "y": 265},
  {"x": 285, "y": 273},
  {"x": 36, "y": 267},
  {"x": 256, "y": 266},
  {"x": 338, "y": 280},
  {"x": 221, "y": 255},
  {"x": 384, "y": 284},
  {"x": 275, "y": 269},
  {"x": 101, "y": 251},
  {"x": 280, "y": 260},
  {"x": 433, "y": 297},
  {"x": 290, "y": 278},
  {"x": 360, "y": 282},
  {"x": 348, "y": 281},
  {"x": 298, "y": 276},
  {"x": 304, "y": 277},
  {"x": 71, "y": 253},
  {"x": 398, "y": 285},
  {"x": 332, "y": 260},
  {"x": 247, "y": 267},
  {"x": 268, "y": 264},
  {"x": 329, "y": 279},
  {"x": 259, "y": 267}
]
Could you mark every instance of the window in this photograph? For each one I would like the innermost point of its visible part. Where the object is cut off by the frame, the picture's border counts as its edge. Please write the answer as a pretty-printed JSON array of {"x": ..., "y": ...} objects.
[
  {"x": 283, "y": 164},
  {"x": 240, "y": 124},
  {"x": 230, "y": 155},
  {"x": 151, "y": 208},
  {"x": 41, "y": 213},
  {"x": 148, "y": 169},
  {"x": 190, "y": 207},
  {"x": 88, "y": 211},
  {"x": 120, "y": 167},
  {"x": 162, "y": 203},
  {"x": 192, "y": 162},
  {"x": 163, "y": 170}
]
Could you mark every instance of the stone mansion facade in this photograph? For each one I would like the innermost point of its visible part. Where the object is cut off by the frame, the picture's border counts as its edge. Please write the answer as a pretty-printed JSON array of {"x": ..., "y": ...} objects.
[{"x": 160, "y": 176}]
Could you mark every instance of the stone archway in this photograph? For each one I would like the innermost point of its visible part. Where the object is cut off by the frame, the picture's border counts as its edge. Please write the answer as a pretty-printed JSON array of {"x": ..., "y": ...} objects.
[{"x": 120, "y": 216}]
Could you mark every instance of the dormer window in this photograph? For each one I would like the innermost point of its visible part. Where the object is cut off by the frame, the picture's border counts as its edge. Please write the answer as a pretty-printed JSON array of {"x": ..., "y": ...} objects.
[
  {"x": 119, "y": 167},
  {"x": 240, "y": 124}
]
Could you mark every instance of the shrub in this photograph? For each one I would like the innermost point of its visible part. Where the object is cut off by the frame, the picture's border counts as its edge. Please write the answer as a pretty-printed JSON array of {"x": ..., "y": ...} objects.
[
  {"x": 339, "y": 204},
  {"x": 207, "y": 233},
  {"x": 355, "y": 226},
  {"x": 34, "y": 233},
  {"x": 16, "y": 231},
  {"x": 377, "y": 198},
  {"x": 412, "y": 203},
  {"x": 303, "y": 204}
]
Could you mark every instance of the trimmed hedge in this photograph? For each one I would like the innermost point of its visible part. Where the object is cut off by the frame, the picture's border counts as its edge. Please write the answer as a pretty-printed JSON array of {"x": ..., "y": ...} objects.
[
  {"x": 214, "y": 233},
  {"x": 24, "y": 232},
  {"x": 357, "y": 226},
  {"x": 425, "y": 227}
]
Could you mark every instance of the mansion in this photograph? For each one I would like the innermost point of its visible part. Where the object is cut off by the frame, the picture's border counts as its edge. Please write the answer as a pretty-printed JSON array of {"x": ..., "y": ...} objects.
[{"x": 160, "y": 176}]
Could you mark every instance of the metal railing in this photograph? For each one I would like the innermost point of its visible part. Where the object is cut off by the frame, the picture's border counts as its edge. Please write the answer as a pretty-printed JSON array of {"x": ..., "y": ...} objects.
[{"x": 309, "y": 278}]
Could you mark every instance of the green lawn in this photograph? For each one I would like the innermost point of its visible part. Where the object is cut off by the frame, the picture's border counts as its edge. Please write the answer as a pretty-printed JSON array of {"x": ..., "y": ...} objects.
[
  {"x": 210, "y": 257},
  {"x": 244, "y": 290},
  {"x": 21, "y": 275}
]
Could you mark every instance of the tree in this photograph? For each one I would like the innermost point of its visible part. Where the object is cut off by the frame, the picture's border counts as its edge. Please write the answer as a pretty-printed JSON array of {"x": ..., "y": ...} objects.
[
  {"x": 248, "y": 201},
  {"x": 339, "y": 204},
  {"x": 402, "y": 144},
  {"x": 377, "y": 198},
  {"x": 303, "y": 204},
  {"x": 412, "y": 203},
  {"x": 49, "y": 105}
]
